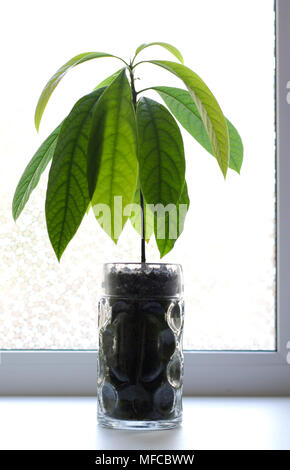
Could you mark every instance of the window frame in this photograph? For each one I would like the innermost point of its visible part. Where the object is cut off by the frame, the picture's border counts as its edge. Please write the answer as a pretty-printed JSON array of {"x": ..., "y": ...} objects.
[{"x": 59, "y": 372}]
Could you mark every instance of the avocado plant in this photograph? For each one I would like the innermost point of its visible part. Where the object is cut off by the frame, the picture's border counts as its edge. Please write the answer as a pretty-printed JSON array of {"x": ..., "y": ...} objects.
[{"x": 117, "y": 142}]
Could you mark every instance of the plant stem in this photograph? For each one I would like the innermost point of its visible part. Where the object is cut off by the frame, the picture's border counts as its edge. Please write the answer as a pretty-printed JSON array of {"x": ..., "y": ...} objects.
[
  {"x": 143, "y": 256},
  {"x": 134, "y": 99},
  {"x": 144, "y": 89}
]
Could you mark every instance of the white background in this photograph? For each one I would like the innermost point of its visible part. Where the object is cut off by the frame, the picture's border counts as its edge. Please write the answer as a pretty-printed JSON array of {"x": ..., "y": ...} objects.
[{"x": 227, "y": 249}]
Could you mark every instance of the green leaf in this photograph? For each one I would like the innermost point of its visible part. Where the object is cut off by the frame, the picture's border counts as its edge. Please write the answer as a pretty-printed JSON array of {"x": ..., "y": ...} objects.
[
  {"x": 173, "y": 223},
  {"x": 184, "y": 109},
  {"x": 56, "y": 78},
  {"x": 88, "y": 208},
  {"x": 208, "y": 108},
  {"x": 112, "y": 154},
  {"x": 236, "y": 148},
  {"x": 67, "y": 196},
  {"x": 33, "y": 172},
  {"x": 165, "y": 45},
  {"x": 135, "y": 217},
  {"x": 108, "y": 80},
  {"x": 160, "y": 153}
]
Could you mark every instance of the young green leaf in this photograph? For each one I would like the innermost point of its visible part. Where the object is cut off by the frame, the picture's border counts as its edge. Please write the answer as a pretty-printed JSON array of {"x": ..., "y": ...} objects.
[
  {"x": 67, "y": 196},
  {"x": 184, "y": 109},
  {"x": 135, "y": 218},
  {"x": 160, "y": 153},
  {"x": 165, "y": 45},
  {"x": 108, "y": 80},
  {"x": 56, "y": 78},
  {"x": 172, "y": 224},
  {"x": 32, "y": 173},
  {"x": 208, "y": 108},
  {"x": 112, "y": 153}
]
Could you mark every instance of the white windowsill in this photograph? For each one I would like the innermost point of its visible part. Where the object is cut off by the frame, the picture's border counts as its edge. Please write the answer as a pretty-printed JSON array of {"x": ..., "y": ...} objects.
[{"x": 209, "y": 423}]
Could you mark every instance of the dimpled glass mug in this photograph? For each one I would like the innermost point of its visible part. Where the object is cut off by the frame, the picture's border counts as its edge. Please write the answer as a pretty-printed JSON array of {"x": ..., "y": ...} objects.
[{"x": 140, "y": 358}]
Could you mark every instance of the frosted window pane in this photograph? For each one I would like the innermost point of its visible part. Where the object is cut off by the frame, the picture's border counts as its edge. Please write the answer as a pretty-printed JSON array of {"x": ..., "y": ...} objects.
[{"x": 227, "y": 249}]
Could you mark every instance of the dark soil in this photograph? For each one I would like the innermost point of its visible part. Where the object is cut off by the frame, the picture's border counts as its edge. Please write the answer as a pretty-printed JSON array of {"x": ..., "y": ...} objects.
[{"x": 149, "y": 282}]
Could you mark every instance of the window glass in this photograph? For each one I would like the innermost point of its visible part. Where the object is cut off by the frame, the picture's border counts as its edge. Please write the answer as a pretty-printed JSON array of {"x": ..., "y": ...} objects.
[{"x": 228, "y": 247}]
